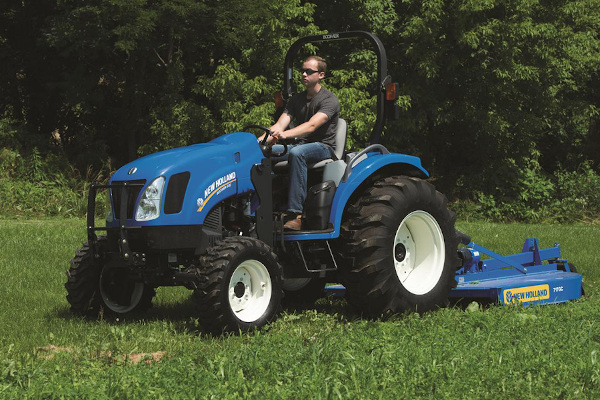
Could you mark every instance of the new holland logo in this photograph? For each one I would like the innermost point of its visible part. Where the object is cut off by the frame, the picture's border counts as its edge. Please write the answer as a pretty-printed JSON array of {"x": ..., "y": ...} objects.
[
  {"x": 216, "y": 188},
  {"x": 526, "y": 294}
]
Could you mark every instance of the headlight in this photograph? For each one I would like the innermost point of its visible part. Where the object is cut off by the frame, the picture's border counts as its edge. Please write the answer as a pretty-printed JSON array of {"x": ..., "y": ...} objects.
[{"x": 149, "y": 206}]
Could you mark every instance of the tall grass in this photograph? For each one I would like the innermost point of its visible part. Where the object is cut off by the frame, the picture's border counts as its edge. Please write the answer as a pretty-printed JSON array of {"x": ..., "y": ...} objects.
[{"x": 319, "y": 353}]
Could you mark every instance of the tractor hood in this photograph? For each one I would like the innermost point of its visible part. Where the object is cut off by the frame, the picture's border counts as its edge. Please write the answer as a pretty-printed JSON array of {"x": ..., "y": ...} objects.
[
  {"x": 211, "y": 155},
  {"x": 209, "y": 172}
]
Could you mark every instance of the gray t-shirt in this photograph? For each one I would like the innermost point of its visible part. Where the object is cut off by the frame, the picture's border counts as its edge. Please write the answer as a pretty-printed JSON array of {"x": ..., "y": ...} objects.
[{"x": 301, "y": 110}]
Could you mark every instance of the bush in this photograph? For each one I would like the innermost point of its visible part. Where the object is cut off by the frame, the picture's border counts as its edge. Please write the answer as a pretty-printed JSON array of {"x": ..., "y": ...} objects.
[
  {"x": 577, "y": 194},
  {"x": 565, "y": 196},
  {"x": 40, "y": 184},
  {"x": 56, "y": 195}
]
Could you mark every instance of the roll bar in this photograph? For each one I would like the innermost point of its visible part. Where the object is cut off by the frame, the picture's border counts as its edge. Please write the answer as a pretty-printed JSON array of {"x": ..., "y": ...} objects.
[{"x": 289, "y": 87}]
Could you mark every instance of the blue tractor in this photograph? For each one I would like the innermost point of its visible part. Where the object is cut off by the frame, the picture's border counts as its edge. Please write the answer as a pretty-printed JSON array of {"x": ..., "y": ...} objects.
[{"x": 208, "y": 217}]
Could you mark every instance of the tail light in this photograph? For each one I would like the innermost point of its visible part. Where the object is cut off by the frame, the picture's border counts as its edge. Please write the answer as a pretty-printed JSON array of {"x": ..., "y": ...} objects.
[{"x": 391, "y": 91}]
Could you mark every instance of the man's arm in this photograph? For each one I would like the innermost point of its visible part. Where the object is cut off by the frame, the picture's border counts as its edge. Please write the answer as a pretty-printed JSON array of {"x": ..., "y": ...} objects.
[
  {"x": 282, "y": 123},
  {"x": 303, "y": 129}
]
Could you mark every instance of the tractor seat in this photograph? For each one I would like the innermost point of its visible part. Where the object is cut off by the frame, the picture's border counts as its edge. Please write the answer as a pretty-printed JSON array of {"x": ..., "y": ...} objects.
[{"x": 340, "y": 145}]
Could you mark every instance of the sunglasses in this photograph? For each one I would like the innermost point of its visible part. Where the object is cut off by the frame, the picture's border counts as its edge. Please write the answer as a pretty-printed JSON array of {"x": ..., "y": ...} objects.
[{"x": 308, "y": 71}]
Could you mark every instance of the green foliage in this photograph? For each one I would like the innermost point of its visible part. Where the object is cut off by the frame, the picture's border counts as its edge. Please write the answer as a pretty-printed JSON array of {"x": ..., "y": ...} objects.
[
  {"x": 237, "y": 95},
  {"x": 495, "y": 81},
  {"x": 351, "y": 79},
  {"x": 35, "y": 183},
  {"x": 245, "y": 73},
  {"x": 177, "y": 126},
  {"x": 577, "y": 194},
  {"x": 498, "y": 97},
  {"x": 565, "y": 196}
]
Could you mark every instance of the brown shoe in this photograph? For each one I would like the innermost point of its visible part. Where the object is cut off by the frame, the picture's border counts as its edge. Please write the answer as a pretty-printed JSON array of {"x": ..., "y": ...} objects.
[{"x": 294, "y": 224}]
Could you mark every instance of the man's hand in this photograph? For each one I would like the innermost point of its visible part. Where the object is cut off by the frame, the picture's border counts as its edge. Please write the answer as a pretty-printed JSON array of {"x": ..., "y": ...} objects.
[
  {"x": 277, "y": 130},
  {"x": 276, "y": 133}
]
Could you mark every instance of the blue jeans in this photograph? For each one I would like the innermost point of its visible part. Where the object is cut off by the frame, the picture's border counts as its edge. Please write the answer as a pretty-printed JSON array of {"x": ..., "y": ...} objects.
[{"x": 298, "y": 157}]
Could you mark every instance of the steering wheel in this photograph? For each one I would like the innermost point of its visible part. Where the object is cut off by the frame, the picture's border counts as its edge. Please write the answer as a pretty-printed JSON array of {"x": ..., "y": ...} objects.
[{"x": 267, "y": 149}]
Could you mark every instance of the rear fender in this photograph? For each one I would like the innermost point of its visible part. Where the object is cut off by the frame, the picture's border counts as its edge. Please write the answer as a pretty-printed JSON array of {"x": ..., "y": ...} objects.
[{"x": 375, "y": 163}]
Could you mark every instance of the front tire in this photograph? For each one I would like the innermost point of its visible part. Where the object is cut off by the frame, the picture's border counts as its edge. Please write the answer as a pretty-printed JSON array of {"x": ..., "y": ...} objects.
[
  {"x": 239, "y": 286},
  {"x": 399, "y": 246},
  {"x": 103, "y": 285}
]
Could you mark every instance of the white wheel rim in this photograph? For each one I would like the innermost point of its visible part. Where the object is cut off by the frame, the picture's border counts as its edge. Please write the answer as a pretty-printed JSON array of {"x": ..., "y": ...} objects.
[
  {"x": 419, "y": 252},
  {"x": 134, "y": 298},
  {"x": 250, "y": 290}
]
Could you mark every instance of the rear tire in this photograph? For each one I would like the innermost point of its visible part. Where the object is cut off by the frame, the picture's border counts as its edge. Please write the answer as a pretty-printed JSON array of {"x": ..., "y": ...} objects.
[
  {"x": 101, "y": 285},
  {"x": 399, "y": 245},
  {"x": 239, "y": 286}
]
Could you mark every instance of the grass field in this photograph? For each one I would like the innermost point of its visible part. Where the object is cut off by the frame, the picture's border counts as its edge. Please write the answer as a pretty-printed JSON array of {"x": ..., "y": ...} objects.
[{"x": 320, "y": 353}]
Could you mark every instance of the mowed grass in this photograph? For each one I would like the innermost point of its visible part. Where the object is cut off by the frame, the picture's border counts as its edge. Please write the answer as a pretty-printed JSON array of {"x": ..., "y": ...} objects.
[{"x": 318, "y": 353}]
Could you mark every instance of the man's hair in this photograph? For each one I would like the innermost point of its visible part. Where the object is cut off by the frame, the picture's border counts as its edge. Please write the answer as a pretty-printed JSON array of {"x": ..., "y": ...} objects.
[{"x": 320, "y": 63}]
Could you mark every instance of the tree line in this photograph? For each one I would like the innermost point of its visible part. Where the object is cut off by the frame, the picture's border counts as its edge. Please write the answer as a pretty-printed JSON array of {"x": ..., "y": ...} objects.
[{"x": 500, "y": 98}]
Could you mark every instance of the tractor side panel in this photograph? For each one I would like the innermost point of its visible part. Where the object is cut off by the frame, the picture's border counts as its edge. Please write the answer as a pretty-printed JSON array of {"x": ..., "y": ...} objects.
[{"x": 220, "y": 180}]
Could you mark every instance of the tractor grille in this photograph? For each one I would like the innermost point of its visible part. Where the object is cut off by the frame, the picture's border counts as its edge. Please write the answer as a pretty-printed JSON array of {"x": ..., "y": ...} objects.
[
  {"x": 212, "y": 227},
  {"x": 213, "y": 220},
  {"x": 132, "y": 195}
]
